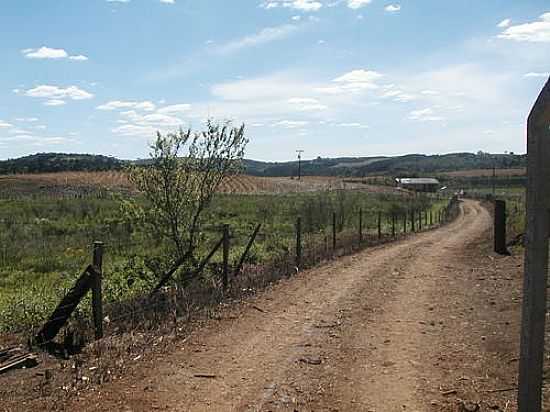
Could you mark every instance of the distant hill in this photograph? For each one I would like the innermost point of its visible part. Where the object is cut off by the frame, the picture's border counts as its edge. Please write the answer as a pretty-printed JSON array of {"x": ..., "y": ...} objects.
[
  {"x": 318, "y": 167},
  {"x": 419, "y": 164},
  {"x": 410, "y": 165},
  {"x": 59, "y": 162}
]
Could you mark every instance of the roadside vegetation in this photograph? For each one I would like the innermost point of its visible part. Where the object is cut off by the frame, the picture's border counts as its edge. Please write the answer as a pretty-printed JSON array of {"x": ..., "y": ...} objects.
[{"x": 165, "y": 215}]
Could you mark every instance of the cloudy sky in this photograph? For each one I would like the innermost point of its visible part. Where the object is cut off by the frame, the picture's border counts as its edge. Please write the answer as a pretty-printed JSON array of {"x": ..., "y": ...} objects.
[{"x": 332, "y": 77}]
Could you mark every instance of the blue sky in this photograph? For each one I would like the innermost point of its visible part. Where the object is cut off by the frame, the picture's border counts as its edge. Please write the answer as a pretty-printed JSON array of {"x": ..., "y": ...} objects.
[{"x": 332, "y": 77}]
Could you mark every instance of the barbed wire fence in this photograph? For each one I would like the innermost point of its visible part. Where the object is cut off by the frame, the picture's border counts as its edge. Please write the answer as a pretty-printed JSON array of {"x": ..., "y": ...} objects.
[{"x": 314, "y": 240}]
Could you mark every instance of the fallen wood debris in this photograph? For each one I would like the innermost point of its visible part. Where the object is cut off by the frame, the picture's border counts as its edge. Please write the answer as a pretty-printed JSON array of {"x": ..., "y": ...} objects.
[
  {"x": 205, "y": 375},
  {"x": 311, "y": 361},
  {"x": 258, "y": 309},
  {"x": 7, "y": 353},
  {"x": 22, "y": 361}
]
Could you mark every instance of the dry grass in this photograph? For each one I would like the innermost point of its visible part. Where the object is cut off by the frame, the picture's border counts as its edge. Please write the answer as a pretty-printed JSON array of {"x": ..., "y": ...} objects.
[{"x": 117, "y": 181}]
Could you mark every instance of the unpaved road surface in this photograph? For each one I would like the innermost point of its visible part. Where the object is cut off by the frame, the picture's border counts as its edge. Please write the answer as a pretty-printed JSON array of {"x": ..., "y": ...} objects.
[{"x": 427, "y": 323}]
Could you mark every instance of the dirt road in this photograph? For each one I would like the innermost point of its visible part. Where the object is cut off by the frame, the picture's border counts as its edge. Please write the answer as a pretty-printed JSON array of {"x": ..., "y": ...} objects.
[{"x": 417, "y": 325}]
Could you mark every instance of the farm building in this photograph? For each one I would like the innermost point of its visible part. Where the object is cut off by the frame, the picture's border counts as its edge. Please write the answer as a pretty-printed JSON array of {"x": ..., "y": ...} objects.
[{"x": 419, "y": 184}]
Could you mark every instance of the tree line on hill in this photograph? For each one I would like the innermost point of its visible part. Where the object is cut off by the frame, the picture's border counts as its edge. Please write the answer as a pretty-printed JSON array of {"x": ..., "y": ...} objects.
[
  {"x": 410, "y": 165},
  {"x": 59, "y": 162}
]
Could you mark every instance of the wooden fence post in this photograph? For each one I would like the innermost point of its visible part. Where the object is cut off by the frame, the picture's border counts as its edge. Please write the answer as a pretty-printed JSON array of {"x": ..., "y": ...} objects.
[
  {"x": 225, "y": 253},
  {"x": 379, "y": 225},
  {"x": 413, "y": 229},
  {"x": 431, "y": 218},
  {"x": 420, "y": 220},
  {"x": 393, "y": 224},
  {"x": 360, "y": 226},
  {"x": 536, "y": 256},
  {"x": 333, "y": 231},
  {"x": 96, "y": 285},
  {"x": 405, "y": 222},
  {"x": 299, "y": 242},
  {"x": 500, "y": 227},
  {"x": 245, "y": 253}
]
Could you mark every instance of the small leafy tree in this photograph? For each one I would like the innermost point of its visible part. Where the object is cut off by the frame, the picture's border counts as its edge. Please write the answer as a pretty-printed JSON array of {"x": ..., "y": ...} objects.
[{"x": 185, "y": 170}]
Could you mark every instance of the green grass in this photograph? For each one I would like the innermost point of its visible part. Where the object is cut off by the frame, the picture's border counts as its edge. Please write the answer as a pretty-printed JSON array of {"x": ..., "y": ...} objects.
[{"x": 46, "y": 243}]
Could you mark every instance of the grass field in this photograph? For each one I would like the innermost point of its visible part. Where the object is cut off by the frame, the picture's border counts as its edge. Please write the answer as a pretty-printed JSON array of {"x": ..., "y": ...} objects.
[{"x": 45, "y": 238}]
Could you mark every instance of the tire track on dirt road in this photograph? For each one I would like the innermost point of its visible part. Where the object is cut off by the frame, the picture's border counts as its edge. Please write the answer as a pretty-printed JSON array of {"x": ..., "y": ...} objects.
[{"x": 356, "y": 334}]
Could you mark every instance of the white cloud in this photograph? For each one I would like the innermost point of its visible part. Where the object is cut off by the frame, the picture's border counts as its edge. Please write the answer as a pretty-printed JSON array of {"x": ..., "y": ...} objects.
[
  {"x": 54, "y": 102},
  {"x": 429, "y": 92},
  {"x": 424, "y": 115},
  {"x": 45, "y": 53},
  {"x": 357, "y": 4},
  {"x": 18, "y": 131},
  {"x": 58, "y": 93},
  {"x": 404, "y": 98},
  {"x": 544, "y": 75},
  {"x": 273, "y": 87},
  {"x": 393, "y": 8},
  {"x": 305, "y": 104},
  {"x": 266, "y": 35},
  {"x": 137, "y": 124},
  {"x": 160, "y": 120},
  {"x": 535, "y": 32},
  {"x": 79, "y": 58},
  {"x": 303, "y": 5},
  {"x": 168, "y": 1},
  {"x": 353, "y": 124},
  {"x": 504, "y": 23},
  {"x": 356, "y": 80},
  {"x": 117, "y": 104},
  {"x": 457, "y": 84},
  {"x": 175, "y": 109},
  {"x": 27, "y": 119},
  {"x": 151, "y": 120},
  {"x": 31, "y": 139},
  {"x": 291, "y": 124},
  {"x": 50, "y": 53},
  {"x": 4, "y": 124},
  {"x": 134, "y": 130}
]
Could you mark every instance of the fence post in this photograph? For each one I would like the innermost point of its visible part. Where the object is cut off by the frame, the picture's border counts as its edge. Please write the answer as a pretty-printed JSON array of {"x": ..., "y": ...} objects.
[
  {"x": 379, "y": 225},
  {"x": 537, "y": 231},
  {"x": 225, "y": 252},
  {"x": 431, "y": 218},
  {"x": 333, "y": 231},
  {"x": 97, "y": 300},
  {"x": 405, "y": 222},
  {"x": 413, "y": 229},
  {"x": 500, "y": 227},
  {"x": 420, "y": 220},
  {"x": 360, "y": 226},
  {"x": 393, "y": 224},
  {"x": 299, "y": 242}
]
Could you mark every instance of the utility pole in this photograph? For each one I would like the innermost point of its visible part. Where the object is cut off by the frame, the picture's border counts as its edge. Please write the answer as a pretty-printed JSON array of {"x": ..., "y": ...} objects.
[{"x": 299, "y": 163}]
